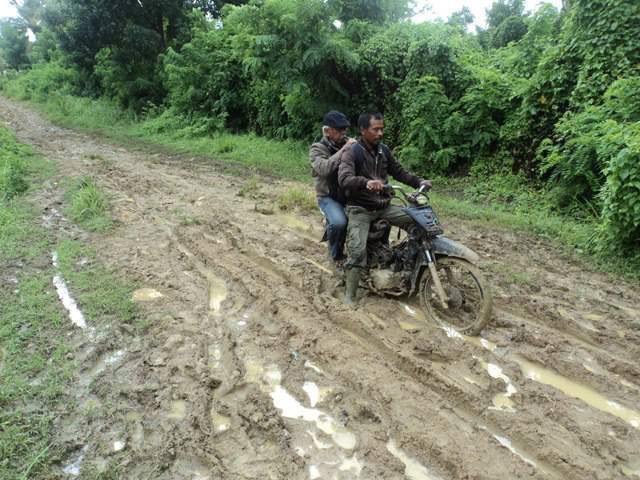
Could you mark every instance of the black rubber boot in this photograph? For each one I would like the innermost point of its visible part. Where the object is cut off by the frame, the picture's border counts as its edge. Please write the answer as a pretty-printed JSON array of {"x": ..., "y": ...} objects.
[{"x": 351, "y": 280}]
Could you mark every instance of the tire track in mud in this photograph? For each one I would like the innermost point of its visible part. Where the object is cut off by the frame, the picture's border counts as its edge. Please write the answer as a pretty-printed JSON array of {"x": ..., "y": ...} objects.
[
  {"x": 419, "y": 373},
  {"x": 380, "y": 347},
  {"x": 411, "y": 386}
]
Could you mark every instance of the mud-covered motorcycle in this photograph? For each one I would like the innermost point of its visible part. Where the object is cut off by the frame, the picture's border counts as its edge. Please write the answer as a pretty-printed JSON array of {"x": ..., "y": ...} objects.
[{"x": 440, "y": 271}]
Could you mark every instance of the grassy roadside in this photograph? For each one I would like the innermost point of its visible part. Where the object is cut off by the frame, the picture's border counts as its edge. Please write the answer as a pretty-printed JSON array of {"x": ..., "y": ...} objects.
[
  {"x": 36, "y": 361},
  {"x": 288, "y": 160}
]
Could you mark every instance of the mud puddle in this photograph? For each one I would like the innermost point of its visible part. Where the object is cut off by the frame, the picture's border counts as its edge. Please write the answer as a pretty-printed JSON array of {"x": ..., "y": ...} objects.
[
  {"x": 325, "y": 444},
  {"x": 413, "y": 469},
  {"x": 541, "y": 374},
  {"x": 574, "y": 389},
  {"x": 105, "y": 360},
  {"x": 146, "y": 295},
  {"x": 75, "y": 315}
]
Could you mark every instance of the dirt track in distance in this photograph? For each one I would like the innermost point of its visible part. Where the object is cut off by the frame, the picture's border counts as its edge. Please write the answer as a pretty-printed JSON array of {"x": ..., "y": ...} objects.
[{"x": 252, "y": 369}]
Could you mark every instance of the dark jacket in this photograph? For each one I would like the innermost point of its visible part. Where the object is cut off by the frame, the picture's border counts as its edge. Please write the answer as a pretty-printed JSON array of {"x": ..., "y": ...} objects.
[
  {"x": 363, "y": 162},
  {"x": 325, "y": 158}
]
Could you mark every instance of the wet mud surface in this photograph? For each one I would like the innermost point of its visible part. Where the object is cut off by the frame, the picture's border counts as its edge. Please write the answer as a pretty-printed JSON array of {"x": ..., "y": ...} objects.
[{"x": 251, "y": 369}]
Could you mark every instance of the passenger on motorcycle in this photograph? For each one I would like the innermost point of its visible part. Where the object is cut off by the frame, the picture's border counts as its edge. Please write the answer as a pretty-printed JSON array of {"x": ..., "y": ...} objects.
[
  {"x": 362, "y": 174},
  {"x": 325, "y": 157}
]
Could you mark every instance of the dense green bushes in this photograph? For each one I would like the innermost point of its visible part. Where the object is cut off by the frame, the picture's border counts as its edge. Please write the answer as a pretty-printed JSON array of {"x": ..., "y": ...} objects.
[{"x": 43, "y": 80}]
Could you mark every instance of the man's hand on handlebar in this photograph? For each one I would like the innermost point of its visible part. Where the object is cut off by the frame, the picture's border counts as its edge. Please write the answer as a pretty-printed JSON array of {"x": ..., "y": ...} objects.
[
  {"x": 375, "y": 185},
  {"x": 425, "y": 185}
]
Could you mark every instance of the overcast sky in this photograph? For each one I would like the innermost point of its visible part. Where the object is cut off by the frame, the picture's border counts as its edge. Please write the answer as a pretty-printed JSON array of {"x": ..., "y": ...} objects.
[
  {"x": 443, "y": 8},
  {"x": 439, "y": 8},
  {"x": 7, "y": 10}
]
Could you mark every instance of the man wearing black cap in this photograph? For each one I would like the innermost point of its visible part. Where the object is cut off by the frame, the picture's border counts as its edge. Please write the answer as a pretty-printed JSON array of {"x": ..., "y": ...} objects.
[{"x": 325, "y": 157}]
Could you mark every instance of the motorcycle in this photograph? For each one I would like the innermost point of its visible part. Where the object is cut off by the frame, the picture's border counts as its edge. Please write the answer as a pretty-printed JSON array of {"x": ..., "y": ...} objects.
[{"x": 440, "y": 271}]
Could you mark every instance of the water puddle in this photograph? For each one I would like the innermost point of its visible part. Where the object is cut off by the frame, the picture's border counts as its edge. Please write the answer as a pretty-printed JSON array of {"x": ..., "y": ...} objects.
[
  {"x": 590, "y": 365},
  {"x": 632, "y": 469},
  {"x": 313, "y": 392},
  {"x": 409, "y": 326},
  {"x": 505, "y": 442},
  {"x": 215, "y": 357},
  {"x": 574, "y": 389},
  {"x": 291, "y": 408},
  {"x": 178, "y": 410},
  {"x": 546, "y": 376},
  {"x": 482, "y": 343},
  {"x": 414, "y": 312},
  {"x": 501, "y": 401},
  {"x": 74, "y": 467},
  {"x": 119, "y": 445},
  {"x": 105, "y": 360},
  {"x": 146, "y": 295},
  {"x": 413, "y": 469},
  {"x": 326, "y": 457},
  {"x": 313, "y": 367},
  {"x": 584, "y": 323},
  {"x": 217, "y": 293},
  {"x": 221, "y": 423},
  {"x": 76, "y": 316}
]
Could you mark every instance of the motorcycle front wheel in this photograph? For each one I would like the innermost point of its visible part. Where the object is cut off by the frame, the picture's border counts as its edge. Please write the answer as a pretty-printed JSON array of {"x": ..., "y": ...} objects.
[{"x": 469, "y": 299}]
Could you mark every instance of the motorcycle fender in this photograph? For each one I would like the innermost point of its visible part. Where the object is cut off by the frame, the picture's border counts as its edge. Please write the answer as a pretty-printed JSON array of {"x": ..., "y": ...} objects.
[{"x": 445, "y": 246}]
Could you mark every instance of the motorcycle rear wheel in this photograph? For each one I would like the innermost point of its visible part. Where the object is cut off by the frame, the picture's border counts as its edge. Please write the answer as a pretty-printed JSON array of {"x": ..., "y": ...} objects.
[{"x": 470, "y": 300}]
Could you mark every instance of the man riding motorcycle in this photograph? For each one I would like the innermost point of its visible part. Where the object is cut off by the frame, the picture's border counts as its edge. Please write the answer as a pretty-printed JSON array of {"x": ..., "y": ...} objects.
[{"x": 362, "y": 174}]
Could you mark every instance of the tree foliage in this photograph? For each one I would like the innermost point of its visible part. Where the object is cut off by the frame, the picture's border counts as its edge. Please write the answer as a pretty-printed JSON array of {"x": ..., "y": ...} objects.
[{"x": 14, "y": 43}]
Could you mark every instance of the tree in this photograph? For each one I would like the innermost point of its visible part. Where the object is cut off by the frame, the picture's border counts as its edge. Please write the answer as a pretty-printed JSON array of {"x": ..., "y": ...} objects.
[
  {"x": 461, "y": 18},
  {"x": 511, "y": 29},
  {"x": 375, "y": 11},
  {"x": 31, "y": 12},
  {"x": 14, "y": 43},
  {"x": 117, "y": 43},
  {"x": 502, "y": 9}
]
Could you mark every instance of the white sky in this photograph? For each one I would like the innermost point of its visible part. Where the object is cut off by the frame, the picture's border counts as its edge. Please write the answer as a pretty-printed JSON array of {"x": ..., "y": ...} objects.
[
  {"x": 443, "y": 8},
  {"x": 439, "y": 8},
  {"x": 7, "y": 10}
]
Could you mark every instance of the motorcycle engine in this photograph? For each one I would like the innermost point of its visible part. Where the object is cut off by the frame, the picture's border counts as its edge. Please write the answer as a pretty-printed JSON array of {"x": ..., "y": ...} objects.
[{"x": 386, "y": 279}]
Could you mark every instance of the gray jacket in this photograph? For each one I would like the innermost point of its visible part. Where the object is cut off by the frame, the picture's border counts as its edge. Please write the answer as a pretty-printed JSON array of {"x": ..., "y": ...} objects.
[{"x": 325, "y": 158}]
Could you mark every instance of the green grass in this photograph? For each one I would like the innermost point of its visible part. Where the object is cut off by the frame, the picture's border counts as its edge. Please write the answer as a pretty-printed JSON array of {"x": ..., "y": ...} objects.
[
  {"x": 297, "y": 198},
  {"x": 33, "y": 363},
  {"x": 88, "y": 205},
  {"x": 101, "y": 295},
  {"x": 13, "y": 166},
  {"x": 36, "y": 372}
]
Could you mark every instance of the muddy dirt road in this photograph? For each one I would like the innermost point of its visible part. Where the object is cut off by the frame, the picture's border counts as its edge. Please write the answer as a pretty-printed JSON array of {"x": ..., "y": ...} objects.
[{"x": 251, "y": 369}]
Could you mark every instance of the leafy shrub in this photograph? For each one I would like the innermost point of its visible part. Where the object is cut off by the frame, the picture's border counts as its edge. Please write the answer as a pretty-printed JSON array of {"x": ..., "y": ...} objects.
[
  {"x": 620, "y": 145},
  {"x": 576, "y": 162},
  {"x": 42, "y": 81},
  {"x": 12, "y": 178}
]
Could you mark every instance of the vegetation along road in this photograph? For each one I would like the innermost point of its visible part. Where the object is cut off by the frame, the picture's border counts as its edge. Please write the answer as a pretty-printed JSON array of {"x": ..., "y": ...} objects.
[{"x": 238, "y": 360}]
